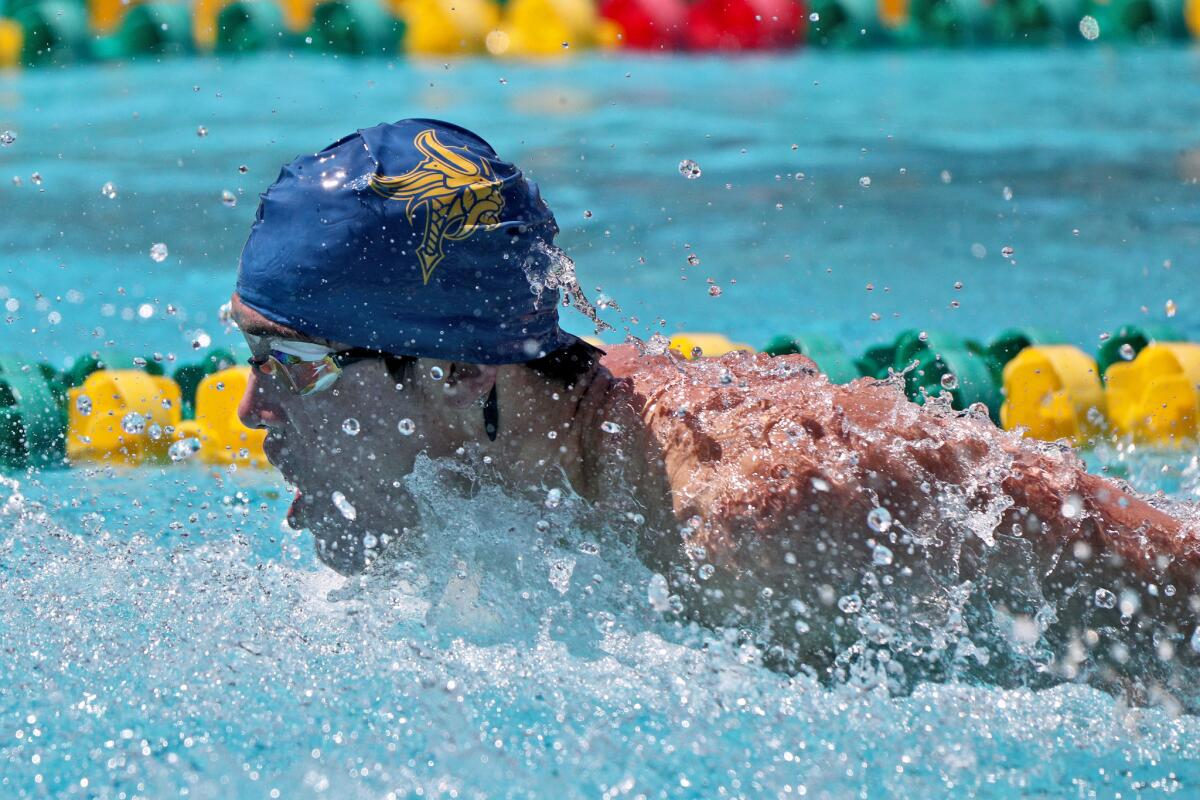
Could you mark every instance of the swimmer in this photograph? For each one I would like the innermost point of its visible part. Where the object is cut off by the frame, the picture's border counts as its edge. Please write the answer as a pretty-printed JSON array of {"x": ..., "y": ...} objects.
[{"x": 403, "y": 283}]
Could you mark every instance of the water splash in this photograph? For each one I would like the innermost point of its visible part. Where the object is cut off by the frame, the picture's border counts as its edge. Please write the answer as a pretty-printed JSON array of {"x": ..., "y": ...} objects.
[
  {"x": 228, "y": 663},
  {"x": 550, "y": 268}
]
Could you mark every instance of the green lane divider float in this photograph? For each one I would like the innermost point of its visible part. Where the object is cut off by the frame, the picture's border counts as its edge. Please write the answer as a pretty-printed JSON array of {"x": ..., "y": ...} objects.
[
  {"x": 356, "y": 27},
  {"x": 1035, "y": 21},
  {"x": 826, "y": 352},
  {"x": 1138, "y": 20},
  {"x": 248, "y": 26},
  {"x": 946, "y": 363},
  {"x": 841, "y": 24},
  {"x": 54, "y": 31},
  {"x": 947, "y": 22},
  {"x": 189, "y": 376},
  {"x": 157, "y": 29},
  {"x": 32, "y": 415}
]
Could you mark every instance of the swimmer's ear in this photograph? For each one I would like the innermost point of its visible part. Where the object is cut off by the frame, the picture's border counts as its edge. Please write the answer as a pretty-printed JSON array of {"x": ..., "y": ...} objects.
[{"x": 468, "y": 383}]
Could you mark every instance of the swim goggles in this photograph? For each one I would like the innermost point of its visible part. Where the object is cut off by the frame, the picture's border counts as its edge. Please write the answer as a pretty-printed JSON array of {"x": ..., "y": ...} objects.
[{"x": 305, "y": 367}]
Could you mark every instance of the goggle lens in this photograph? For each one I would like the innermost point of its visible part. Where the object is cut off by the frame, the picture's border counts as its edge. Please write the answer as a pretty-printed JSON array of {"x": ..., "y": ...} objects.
[{"x": 303, "y": 377}]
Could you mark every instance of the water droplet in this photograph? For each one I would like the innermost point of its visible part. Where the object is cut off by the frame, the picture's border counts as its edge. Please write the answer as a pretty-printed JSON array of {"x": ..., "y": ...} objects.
[
  {"x": 658, "y": 593},
  {"x": 1171, "y": 308},
  {"x": 657, "y": 345},
  {"x": 343, "y": 506},
  {"x": 437, "y": 373},
  {"x": 350, "y": 426},
  {"x": 705, "y": 572},
  {"x": 202, "y": 131},
  {"x": 587, "y": 214},
  {"x": 1089, "y": 28},
  {"x": 133, "y": 423},
  {"x": 109, "y": 190},
  {"x": 814, "y": 17},
  {"x": 1007, "y": 251},
  {"x": 228, "y": 198},
  {"x": 36, "y": 178},
  {"x": 978, "y": 250},
  {"x": 7, "y": 138},
  {"x": 820, "y": 484},
  {"x": 949, "y": 382},
  {"x": 881, "y": 555},
  {"x": 83, "y": 404},
  {"x": 158, "y": 252},
  {"x": 693, "y": 260},
  {"x": 689, "y": 169},
  {"x": 406, "y": 426},
  {"x": 946, "y": 176},
  {"x": 553, "y": 498},
  {"x": 714, "y": 291},
  {"x": 865, "y": 182},
  {"x": 1105, "y": 599},
  {"x": 183, "y": 449},
  {"x": 1072, "y": 506},
  {"x": 610, "y": 427},
  {"x": 1007, "y": 194},
  {"x": 1126, "y": 351},
  {"x": 561, "y": 570},
  {"x": 850, "y": 603},
  {"x": 879, "y": 520},
  {"x": 154, "y": 432},
  {"x": 243, "y": 169}
]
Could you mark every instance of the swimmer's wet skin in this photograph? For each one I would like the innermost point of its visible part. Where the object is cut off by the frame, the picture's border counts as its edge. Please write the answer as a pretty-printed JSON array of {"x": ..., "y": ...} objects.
[{"x": 395, "y": 278}]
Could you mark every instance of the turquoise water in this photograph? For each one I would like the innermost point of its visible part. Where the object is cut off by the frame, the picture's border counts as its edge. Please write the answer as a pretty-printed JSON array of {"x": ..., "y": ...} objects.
[{"x": 164, "y": 636}]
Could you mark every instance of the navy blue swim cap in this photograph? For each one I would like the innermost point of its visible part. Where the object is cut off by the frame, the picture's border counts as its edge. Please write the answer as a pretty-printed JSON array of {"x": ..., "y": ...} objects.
[{"x": 413, "y": 239}]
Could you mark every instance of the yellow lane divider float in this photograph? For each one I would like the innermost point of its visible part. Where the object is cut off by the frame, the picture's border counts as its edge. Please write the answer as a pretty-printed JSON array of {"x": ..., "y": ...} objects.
[
  {"x": 131, "y": 417},
  {"x": 1150, "y": 393},
  {"x": 222, "y": 437},
  {"x": 1154, "y": 397},
  {"x": 12, "y": 39},
  {"x": 1053, "y": 392},
  {"x": 123, "y": 415},
  {"x": 690, "y": 345}
]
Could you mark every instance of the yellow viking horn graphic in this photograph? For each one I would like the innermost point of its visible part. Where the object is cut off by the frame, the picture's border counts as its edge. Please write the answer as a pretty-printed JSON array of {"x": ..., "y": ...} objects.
[{"x": 458, "y": 194}]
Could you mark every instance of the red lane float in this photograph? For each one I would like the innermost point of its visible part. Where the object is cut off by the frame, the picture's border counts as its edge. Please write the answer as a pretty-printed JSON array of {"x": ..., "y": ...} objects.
[
  {"x": 648, "y": 24},
  {"x": 746, "y": 24}
]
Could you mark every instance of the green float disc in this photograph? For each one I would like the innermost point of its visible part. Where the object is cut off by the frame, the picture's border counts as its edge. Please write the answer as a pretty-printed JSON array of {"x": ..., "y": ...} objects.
[
  {"x": 356, "y": 27},
  {"x": 32, "y": 421}
]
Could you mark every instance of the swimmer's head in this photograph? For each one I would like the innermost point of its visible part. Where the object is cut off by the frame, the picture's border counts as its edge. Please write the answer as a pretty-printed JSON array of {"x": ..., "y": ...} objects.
[
  {"x": 391, "y": 290},
  {"x": 412, "y": 238}
]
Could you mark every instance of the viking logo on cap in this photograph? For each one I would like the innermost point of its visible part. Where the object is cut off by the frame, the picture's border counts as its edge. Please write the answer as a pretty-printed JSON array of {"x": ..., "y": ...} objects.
[{"x": 458, "y": 195}]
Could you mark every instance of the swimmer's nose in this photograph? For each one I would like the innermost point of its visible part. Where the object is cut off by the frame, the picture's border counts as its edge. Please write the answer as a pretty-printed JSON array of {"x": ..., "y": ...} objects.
[{"x": 259, "y": 406}]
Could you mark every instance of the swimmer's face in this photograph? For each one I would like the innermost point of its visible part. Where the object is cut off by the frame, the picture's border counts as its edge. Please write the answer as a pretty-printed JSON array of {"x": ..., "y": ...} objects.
[{"x": 360, "y": 438}]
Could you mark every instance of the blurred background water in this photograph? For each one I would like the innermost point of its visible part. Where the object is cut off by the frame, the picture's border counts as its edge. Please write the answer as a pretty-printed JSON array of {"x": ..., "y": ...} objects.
[
  {"x": 163, "y": 636},
  {"x": 1098, "y": 150}
]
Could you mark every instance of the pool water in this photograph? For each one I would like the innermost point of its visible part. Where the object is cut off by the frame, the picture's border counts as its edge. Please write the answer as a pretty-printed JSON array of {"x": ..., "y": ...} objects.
[{"x": 166, "y": 636}]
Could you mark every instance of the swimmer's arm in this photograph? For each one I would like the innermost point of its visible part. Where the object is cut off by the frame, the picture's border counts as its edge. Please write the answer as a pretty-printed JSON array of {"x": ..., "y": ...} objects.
[{"x": 1077, "y": 506}]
